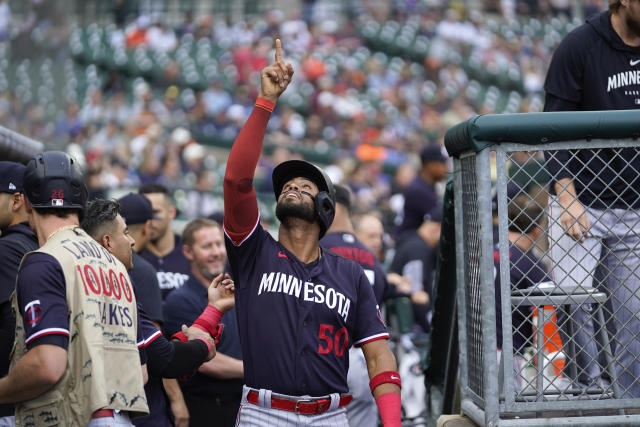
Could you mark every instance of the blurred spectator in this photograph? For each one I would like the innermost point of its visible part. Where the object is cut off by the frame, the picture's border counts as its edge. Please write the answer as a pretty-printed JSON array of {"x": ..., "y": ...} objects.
[
  {"x": 295, "y": 35},
  {"x": 420, "y": 196},
  {"x": 368, "y": 229},
  {"x": 188, "y": 25},
  {"x": 120, "y": 174},
  {"x": 405, "y": 174},
  {"x": 136, "y": 35},
  {"x": 201, "y": 202},
  {"x": 415, "y": 259},
  {"x": 93, "y": 109},
  {"x": 161, "y": 38},
  {"x": 70, "y": 123},
  {"x": 215, "y": 98},
  {"x": 5, "y": 20}
]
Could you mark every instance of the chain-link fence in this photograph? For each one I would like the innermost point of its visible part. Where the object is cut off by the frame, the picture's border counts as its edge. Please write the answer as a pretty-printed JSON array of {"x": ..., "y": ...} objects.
[{"x": 549, "y": 256}]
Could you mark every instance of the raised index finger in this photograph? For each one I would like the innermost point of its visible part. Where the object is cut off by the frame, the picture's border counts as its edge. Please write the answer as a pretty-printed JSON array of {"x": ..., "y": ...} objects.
[{"x": 278, "y": 50}]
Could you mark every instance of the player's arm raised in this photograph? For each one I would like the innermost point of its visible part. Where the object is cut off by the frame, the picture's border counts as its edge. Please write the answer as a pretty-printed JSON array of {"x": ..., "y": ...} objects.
[
  {"x": 240, "y": 203},
  {"x": 385, "y": 381}
]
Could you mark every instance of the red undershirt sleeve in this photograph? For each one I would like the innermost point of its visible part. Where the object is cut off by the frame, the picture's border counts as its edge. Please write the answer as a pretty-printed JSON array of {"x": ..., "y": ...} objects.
[{"x": 240, "y": 202}]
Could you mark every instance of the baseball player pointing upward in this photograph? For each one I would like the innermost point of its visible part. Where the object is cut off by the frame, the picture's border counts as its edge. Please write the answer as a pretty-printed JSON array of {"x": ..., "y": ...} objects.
[{"x": 299, "y": 308}]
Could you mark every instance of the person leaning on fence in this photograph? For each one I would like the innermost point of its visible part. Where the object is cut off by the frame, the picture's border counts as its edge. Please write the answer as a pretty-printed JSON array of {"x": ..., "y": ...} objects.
[
  {"x": 525, "y": 271},
  {"x": 595, "y": 208}
]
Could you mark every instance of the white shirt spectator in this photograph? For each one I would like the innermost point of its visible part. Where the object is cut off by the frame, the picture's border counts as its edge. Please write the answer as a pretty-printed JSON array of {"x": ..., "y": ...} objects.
[
  {"x": 296, "y": 36},
  {"x": 5, "y": 19},
  {"x": 162, "y": 38}
]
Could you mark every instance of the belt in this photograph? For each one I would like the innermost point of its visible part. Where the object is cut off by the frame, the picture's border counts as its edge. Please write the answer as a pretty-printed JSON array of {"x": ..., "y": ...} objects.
[
  {"x": 103, "y": 413},
  {"x": 311, "y": 406}
]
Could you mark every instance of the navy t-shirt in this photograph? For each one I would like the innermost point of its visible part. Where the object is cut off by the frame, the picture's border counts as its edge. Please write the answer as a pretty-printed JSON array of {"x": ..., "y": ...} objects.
[
  {"x": 348, "y": 246},
  {"x": 525, "y": 271},
  {"x": 297, "y": 321},
  {"x": 416, "y": 260},
  {"x": 14, "y": 243},
  {"x": 420, "y": 198},
  {"x": 172, "y": 269},
  {"x": 145, "y": 284},
  {"x": 153, "y": 389},
  {"x": 182, "y": 307},
  {"x": 593, "y": 69}
]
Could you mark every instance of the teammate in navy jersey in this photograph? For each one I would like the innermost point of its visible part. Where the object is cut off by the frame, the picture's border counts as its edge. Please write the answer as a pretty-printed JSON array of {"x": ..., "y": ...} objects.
[
  {"x": 16, "y": 240},
  {"x": 164, "y": 250},
  {"x": 595, "y": 206},
  {"x": 341, "y": 239},
  {"x": 299, "y": 307},
  {"x": 214, "y": 392},
  {"x": 137, "y": 213}
]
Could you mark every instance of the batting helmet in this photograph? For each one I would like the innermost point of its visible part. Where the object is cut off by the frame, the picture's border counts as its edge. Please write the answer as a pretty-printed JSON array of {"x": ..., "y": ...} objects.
[
  {"x": 53, "y": 179},
  {"x": 325, "y": 201}
]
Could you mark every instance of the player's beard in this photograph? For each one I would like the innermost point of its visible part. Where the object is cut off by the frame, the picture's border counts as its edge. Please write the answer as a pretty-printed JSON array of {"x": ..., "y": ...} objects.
[{"x": 286, "y": 211}]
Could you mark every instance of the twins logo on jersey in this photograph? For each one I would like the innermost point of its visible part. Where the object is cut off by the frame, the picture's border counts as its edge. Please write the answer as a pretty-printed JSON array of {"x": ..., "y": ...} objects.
[
  {"x": 33, "y": 312},
  {"x": 312, "y": 292}
]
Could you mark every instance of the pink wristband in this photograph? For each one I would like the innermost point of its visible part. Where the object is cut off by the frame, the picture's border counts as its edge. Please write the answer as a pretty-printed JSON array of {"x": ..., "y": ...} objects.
[
  {"x": 208, "y": 320},
  {"x": 389, "y": 408},
  {"x": 206, "y": 342}
]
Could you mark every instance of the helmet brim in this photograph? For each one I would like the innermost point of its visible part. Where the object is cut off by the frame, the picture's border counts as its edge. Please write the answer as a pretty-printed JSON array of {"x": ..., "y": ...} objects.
[{"x": 291, "y": 169}]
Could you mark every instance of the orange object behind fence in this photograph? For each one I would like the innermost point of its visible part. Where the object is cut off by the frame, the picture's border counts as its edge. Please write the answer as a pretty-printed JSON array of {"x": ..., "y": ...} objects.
[{"x": 552, "y": 342}]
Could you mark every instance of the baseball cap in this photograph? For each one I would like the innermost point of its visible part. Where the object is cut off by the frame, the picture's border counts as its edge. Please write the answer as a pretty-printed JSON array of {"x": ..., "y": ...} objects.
[
  {"x": 343, "y": 196},
  {"x": 434, "y": 214},
  {"x": 11, "y": 174},
  {"x": 135, "y": 209},
  {"x": 432, "y": 153}
]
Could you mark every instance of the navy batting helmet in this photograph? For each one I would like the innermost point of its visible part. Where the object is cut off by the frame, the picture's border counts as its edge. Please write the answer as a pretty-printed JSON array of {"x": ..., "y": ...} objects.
[
  {"x": 325, "y": 201},
  {"x": 53, "y": 179}
]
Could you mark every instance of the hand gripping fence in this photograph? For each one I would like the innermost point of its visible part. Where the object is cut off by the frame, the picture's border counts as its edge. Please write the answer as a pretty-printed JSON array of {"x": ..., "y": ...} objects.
[{"x": 547, "y": 219}]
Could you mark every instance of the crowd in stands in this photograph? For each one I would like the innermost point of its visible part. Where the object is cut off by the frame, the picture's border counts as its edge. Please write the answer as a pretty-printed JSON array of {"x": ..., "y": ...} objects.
[{"x": 359, "y": 102}]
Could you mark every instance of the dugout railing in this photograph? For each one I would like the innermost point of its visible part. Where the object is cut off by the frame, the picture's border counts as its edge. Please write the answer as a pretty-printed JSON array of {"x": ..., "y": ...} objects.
[{"x": 567, "y": 308}]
